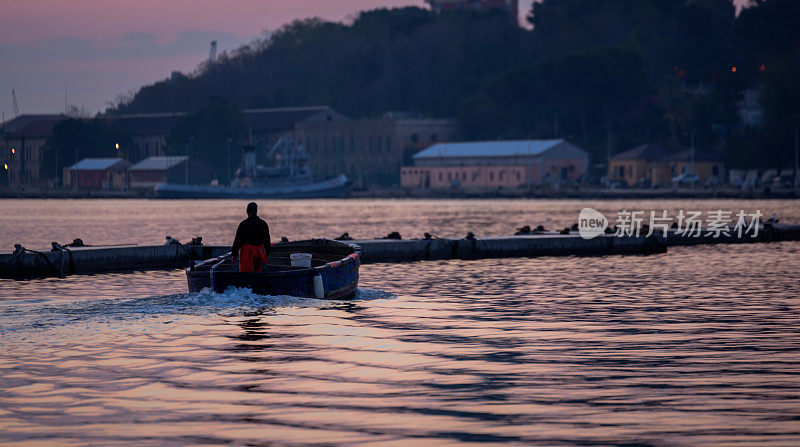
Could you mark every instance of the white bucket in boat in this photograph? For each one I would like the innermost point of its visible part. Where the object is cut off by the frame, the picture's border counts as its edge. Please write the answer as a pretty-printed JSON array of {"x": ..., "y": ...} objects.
[{"x": 300, "y": 259}]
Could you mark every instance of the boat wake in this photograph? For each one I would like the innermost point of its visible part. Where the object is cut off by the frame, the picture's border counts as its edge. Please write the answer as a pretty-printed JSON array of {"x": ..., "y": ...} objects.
[{"x": 231, "y": 303}]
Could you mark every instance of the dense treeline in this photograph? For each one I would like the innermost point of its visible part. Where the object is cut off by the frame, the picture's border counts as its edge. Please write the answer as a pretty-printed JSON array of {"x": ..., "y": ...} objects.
[{"x": 607, "y": 75}]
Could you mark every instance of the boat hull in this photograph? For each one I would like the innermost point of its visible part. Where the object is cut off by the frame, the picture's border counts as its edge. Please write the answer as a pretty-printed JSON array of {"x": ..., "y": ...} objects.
[
  {"x": 339, "y": 277},
  {"x": 333, "y": 188}
]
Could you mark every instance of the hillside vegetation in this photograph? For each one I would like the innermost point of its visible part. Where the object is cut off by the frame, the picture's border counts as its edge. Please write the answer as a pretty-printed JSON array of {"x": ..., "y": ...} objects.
[{"x": 607, "y": 75}]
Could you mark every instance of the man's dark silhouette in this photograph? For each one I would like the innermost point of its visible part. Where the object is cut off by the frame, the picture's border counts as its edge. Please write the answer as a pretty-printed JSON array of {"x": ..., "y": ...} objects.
[{"x": 251, "y": 244}]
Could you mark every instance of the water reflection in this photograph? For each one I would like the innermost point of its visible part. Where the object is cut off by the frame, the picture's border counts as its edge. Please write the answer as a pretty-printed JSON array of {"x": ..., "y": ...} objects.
[
  {"x": 695, "y": 347},
  {"x": 146, "y": 222},
  {"x": 254, "y": 330}
]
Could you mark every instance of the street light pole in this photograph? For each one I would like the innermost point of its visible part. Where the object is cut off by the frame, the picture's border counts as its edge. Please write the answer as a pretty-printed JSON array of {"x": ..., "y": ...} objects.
[
  {"x": 228, "y": 171},
  {"x": 186, "y": 178},
  {"x": 796, "y": 143},
  {"x": 691, "y": 164}
]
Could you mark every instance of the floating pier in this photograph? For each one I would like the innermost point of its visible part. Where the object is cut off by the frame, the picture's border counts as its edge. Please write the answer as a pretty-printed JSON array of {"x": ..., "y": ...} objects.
[
  {"x": 389, "y": 250},
  {"x": 88, "y": 260}
]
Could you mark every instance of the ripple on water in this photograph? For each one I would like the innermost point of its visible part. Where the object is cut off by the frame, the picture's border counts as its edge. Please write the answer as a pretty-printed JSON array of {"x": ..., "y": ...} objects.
[
  {"x": 22, "y": 315},
  {"x": 695, "y": 347}
]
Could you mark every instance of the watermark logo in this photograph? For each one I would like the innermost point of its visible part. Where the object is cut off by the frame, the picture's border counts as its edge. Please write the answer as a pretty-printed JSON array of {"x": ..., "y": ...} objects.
[
  {"x": 716, "y": 224},
  {"x": 591, "y": 223}
]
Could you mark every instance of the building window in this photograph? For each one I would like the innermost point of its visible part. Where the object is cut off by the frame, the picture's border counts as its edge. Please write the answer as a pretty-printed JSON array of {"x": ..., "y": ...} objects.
[
  {"x": 440, "y": 176},
  {"x": 501, "y": 176},
  {"x": 622, "y": 172},
  {"x": 463, "y": 176},
  {"x": 491, "y": 176},
  {"x": 630, "y": 171},
  {"x": 715, "y": 171},
  {"x": 519, "y": 177}
]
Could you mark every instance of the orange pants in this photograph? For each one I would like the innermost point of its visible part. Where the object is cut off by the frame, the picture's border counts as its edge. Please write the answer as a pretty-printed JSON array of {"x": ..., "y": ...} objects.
[{"x": 252, "y": 258}]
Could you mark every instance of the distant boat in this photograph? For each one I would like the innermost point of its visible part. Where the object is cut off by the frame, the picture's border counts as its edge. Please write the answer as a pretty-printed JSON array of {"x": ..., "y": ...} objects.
[
  {"x": 286, "y": 176},
  {"x": 332, "y": 273},
  {"x": 333, "y": 188}
]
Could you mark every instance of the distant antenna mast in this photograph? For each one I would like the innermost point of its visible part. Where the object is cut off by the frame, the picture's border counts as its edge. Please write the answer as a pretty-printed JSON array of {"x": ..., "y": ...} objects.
[
  {"x": 14, "y": 99},
  {"x": 213, "y": 53}
]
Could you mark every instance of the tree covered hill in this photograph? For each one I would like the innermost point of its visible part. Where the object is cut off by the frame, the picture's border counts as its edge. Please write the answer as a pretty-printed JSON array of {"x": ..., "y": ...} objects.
[{"x": 607, "y": 75}]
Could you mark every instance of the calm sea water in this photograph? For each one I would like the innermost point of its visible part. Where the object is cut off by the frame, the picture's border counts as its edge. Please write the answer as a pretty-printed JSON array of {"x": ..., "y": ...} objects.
[{"x": 698, "y": 346}]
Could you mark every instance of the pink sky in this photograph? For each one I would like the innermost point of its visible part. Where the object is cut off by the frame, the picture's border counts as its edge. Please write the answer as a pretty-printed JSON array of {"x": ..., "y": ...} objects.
[
  {"x": 101, "y": 48},
  {"x": 26, "y": 20}
]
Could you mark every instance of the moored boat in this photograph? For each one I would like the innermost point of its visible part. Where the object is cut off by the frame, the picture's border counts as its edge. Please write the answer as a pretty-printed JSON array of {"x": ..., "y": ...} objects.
[
  {"x": 332, "y": 274},
  {"x": 286, "y": 175},
  {"x": 329, "y": 189}
]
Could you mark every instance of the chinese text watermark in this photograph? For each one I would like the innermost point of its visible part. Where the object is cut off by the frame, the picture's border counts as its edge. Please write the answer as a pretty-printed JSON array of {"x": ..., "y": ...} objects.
[{"x": 714, "y": 223}]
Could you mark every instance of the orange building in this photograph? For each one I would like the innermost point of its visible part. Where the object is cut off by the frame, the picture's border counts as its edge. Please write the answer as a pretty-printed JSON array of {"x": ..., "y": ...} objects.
[{"x": 493, "y": 165}]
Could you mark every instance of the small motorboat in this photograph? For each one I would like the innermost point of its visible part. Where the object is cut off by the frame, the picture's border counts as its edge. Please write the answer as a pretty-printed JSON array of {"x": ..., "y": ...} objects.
[{"x": 331, "y": 274}]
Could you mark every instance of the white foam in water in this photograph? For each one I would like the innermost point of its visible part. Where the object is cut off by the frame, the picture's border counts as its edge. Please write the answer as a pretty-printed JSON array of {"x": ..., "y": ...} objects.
[{"x": 232, "y": 302}]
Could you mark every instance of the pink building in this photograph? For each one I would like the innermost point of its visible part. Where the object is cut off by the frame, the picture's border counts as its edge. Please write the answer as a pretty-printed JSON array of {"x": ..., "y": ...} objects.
[{"x": 492, "y": 165}]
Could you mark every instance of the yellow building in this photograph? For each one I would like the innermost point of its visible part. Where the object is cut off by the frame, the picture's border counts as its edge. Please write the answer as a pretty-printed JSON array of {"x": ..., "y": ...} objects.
[
  {"x": 707, "y": 166},
  {"x": 651, "y": 165},
  {"x": 641, "y": 166}
]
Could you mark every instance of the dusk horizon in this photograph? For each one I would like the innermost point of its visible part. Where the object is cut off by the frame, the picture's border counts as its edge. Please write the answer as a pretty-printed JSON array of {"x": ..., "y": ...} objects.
[
  {"x": 104, "y": 51},
  {"x": 400, "y": 222}
]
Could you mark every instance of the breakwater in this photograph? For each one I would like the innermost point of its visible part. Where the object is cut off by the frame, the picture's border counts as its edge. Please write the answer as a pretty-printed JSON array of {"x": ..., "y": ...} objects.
[{"x": 26, "y": 263}]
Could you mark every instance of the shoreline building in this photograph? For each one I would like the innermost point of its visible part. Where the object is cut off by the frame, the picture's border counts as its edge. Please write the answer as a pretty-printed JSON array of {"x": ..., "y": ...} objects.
[
  {"x": 149, "y": 131},
  {"x": 650, "y": 165},
  {"x": 708, "y": 166},
  {"x": 97, "y": 173},
  {"x": 495, "y": 165},
  {"x": 370, "y": 152},
  {"x": 641, "y": 164},
  {"x": 168, "y": 169},
  {"x": 23, "y": 141}
]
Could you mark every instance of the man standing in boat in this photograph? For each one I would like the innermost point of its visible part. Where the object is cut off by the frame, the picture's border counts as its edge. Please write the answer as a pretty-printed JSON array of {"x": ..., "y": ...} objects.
[{"x": 251, "y": 244}]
